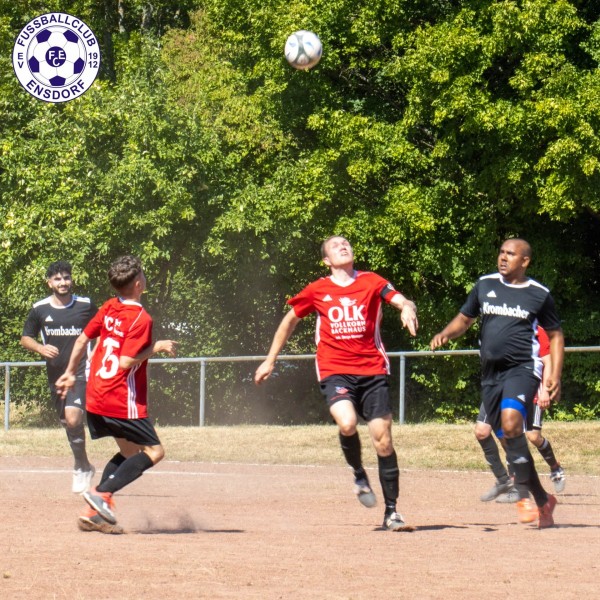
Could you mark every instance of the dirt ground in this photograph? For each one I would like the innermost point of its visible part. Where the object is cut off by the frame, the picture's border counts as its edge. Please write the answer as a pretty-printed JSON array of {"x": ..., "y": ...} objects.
[{"x": 199, "y": 530}]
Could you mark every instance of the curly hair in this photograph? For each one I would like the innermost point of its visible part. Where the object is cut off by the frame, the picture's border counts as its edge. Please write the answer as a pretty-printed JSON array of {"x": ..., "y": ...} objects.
[
  {"x": 58, "y": 267},
  {"x": 123, "y": 271}
]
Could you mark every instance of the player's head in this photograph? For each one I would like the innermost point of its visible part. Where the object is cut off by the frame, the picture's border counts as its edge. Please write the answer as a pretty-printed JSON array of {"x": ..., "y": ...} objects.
[
  {"x": 127, "y": 276},
  {"x": 59, "y": 267},
  {"x": 58, "y": 276},
  {"x": 337, "y": 251},
  {"x": 514, "y": 258}
]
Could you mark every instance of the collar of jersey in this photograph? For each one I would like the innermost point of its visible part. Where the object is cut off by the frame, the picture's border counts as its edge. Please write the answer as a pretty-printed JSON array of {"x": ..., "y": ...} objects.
[
  {"x": 73, "y": 300},
  {"x": 349, "y": 283},
  {"x": 130, "y": 302},
  {"x": 514, "y": 285}
]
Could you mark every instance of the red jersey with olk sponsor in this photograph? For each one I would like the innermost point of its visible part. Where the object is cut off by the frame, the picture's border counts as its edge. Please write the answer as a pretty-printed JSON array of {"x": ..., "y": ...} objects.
[
  {"x": 125, "y": 329},
  {"x": 348, "y": 318}
]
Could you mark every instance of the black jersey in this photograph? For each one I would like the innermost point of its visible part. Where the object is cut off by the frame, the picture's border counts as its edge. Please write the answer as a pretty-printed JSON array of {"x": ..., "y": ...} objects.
[
  {"x": 509, "y": 318},
  {"x": 60, "y": 327}
]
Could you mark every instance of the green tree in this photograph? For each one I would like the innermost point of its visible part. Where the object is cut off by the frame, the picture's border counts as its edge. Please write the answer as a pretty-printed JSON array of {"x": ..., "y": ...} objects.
[{"x": 427, "y": 134}]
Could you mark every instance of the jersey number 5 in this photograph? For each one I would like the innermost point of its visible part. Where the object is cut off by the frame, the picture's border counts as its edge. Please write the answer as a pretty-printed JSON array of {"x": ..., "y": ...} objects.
[{"x": 110, "y": 362}]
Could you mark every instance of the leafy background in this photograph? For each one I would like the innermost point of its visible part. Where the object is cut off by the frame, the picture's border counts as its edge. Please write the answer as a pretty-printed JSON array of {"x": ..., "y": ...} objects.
[{"x": 428, "y": 133}]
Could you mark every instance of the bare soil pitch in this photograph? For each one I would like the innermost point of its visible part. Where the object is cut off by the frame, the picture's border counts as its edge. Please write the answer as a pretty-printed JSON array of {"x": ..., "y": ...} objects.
[{"x": 215, "y": 531}]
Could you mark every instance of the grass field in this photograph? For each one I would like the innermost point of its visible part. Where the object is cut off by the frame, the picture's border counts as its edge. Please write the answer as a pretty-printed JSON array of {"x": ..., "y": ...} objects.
[{"x": 426, "y": 446}]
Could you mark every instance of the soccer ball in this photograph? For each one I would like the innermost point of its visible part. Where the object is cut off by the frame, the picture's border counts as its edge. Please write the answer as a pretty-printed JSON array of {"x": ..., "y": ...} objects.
[
  {"x": 57, "y": 56},
  {"x": 303, "y": 49}
]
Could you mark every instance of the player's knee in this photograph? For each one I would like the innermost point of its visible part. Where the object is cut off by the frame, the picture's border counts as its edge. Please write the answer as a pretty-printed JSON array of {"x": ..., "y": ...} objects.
[
  {"x": 74, "y": 430},
  {"x": 347, "y": 428},
  {"x": 384, "y": 447},
  {"x": 482, "y": 431},
  {"x": 72, "y": 419},
  {"x": 346, "y": 422},
  {"x": 382, "y": 441},
  {"x": 512, "y": 430},
  {"x": 535, "y": 437},
  {"x": 512, "y": 423},
  {"x": 156, "y": 453}
]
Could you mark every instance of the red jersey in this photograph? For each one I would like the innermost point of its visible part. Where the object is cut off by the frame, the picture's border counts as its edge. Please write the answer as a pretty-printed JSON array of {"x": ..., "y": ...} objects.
[
  {"x": 544, "y": 342},
  {"x": 348, "y": 318},
  {"x": 125, "y": 329}
]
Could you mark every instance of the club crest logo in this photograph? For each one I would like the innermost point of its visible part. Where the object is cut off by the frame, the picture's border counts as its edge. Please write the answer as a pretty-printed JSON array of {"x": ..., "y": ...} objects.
[{"x": 56, "y": 57}]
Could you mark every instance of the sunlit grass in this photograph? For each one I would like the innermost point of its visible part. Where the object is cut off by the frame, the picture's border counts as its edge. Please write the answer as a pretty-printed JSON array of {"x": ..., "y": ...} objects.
[{"x": 425, "y": 446}]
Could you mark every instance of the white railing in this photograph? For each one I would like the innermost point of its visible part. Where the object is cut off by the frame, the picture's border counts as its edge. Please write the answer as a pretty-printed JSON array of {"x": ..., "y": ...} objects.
[{"x": 204, "y": 361}]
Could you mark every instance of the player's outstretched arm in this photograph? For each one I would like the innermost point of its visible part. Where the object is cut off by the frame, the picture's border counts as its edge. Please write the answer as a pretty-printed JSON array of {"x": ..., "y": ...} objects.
[
  {"x": 457, "y": 327},
  {"x": 285, "y": 329},
  {"x": 67, "y": 380},
  {"x": 408, "y": 313},
  {"x": 167, "y": 346}
]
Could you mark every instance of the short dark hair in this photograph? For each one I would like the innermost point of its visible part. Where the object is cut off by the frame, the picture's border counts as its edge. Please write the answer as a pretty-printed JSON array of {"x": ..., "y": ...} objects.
[
  {"x": 525, "y": 245},
  {"x": 57, "y": 267},
  {"x": 323, "y": 253},
  {"x": 123, "y": 271}
]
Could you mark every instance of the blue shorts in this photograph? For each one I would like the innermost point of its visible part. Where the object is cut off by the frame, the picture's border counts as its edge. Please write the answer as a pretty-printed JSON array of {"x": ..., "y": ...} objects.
[{"x": 368, "y": 393}]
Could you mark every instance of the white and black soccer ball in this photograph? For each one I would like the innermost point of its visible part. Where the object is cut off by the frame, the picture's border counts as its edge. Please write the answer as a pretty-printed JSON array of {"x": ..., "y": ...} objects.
[
  {"x": 303, "y": 49},
  {"x": 57, "y": 56}
]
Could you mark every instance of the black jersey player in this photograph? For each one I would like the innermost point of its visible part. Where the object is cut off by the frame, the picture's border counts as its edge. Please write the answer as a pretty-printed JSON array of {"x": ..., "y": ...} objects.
[
  {"x": 510, "y": 305},
  {"x": 58, "y": 320}
]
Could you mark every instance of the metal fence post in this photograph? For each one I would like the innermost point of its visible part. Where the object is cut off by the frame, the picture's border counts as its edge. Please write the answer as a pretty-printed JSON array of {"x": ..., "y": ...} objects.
[
  {"x": 6, "y": 396},
  {"x": 202, "y": 391},
  {"x": 402, "y": 388}
]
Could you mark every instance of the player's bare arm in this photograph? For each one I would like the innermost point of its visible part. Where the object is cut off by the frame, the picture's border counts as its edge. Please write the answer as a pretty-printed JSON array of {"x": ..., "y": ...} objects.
[
  {"x": 67, "y": 380},
  {"x": 408, "y": 312},
  {"x": 557, "y": 353},
  {"x": 543, "y": 398},
  {"x": 45, "y": 350},
  {"x": 457, "y": 327},
  {"x": 284, "y": 331},
  {"x": 167, "y": 346}
]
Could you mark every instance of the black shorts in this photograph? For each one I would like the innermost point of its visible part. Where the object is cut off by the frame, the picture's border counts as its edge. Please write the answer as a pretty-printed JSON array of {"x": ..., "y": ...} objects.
[
  {"x": 369, "y": 394},
  {"x": 75, "y": 398},
  {"x": 515, "y": 388},
  {"x": 138, "y": 431},
  {"x": 538, "y": 417}
]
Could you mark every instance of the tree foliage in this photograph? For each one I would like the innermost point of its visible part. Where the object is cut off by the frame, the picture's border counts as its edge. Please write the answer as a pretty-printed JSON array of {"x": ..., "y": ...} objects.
[{"x": 427, "y": 134}]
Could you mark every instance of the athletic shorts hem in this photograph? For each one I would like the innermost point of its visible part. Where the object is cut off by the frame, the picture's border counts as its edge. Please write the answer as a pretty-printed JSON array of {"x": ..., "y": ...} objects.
[{"x": 137, "y": 431}]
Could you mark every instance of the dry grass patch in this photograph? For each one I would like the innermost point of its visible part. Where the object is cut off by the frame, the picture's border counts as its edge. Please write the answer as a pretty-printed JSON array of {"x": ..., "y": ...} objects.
[{"x": 425, "y": 446}]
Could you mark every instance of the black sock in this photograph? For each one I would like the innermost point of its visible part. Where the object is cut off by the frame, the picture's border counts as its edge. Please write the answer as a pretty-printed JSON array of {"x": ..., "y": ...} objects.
[
  {"x": 111, "y": 466},
  {"x": 76, "y": 437},
  {"x": 519, "y": 456},
  {"x": 352, "y": 452},
  {"x": 492, "y": 457},
  {"x": 128, "y": 471},
  {"x": 548, "y": 454},
  {"x": 522, "y": 490},
  {"x": 389, "y": 477}
]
